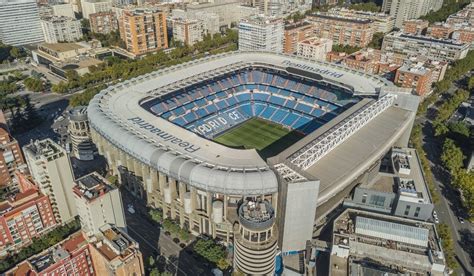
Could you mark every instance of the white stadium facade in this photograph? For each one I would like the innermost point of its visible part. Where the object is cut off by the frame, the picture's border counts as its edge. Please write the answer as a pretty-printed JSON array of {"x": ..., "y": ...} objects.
[{"x": 156, "y": 133}]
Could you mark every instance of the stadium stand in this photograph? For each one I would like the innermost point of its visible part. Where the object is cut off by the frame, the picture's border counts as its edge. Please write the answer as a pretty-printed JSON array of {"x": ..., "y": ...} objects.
[{"x": 211, "y": 107}]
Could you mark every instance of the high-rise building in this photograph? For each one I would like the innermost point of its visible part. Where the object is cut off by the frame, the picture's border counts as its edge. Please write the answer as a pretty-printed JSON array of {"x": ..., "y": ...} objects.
[
  {"x": 260, "y": 33},
  {"x": 343, "y": 30},
  {"x": 314, "y": 48},
  {"x": 20, "y": 22},
  {"x": 116, "y": 253},
  {"x": 10, "y": 157},
  {"x": 25, "y": 216},
  {"x": 64, "y": 9},
  {"x": 409, "y": 9},
  {"x": 435, "y": 49},
  {"x": 61, "y": 29},
  {"x": 103, "y": 22},
  {"x": 98, "y": 203},
  {"x": 144, "y": 30},
  {"x": 187, "y": 31},
  {"x": 51, "y": 169},
  {"x": 94, "y": 6},
  {"x": 79, "y": 132},
  {"x": 295, "y": 33}
]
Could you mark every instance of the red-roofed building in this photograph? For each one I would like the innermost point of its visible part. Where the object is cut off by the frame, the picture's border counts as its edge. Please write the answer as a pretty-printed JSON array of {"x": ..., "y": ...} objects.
[
  {"x": 23, "y": 217},
  {"x": 71, "y": 257}
]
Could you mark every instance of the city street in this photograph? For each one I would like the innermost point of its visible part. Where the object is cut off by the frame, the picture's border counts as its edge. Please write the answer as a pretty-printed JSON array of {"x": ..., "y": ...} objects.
[
  {"x": 153, "y": 241},
  {"x": 449, "y": 207}
]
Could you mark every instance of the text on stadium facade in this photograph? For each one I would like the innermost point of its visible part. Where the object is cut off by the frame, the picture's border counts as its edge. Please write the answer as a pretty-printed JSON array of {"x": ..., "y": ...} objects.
[
  {"x": 313, "y": 69},
  {"x": 164, "y": 135}
]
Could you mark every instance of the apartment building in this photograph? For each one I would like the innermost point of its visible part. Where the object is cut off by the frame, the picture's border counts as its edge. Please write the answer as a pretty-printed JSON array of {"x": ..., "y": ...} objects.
[
  {"x": 383, "y": 22},
  {"x": 143, "y": 30},
  {"x": 94, "y": 6},
  {"x": 23, "y": 217},
  {"x": 314, "y": 48},
  {"x": 294, "y": 33},
  {"x": 261, "y": 33},
  {"x": 98, "y": 203},
  {"x": 51, "y": 169},
  {"x": 11, "y": 158},
  {"x": 435, "y": 49},
  {"x": 63, "y": 9},
  {"x": 70, "y": 257},
  {"x": 440, "y": 30},
  {"x": 415, "y": 26},
  {"x": 103, "y": 22},
  {"x": 188, "y": 31},
  {"x": 20, "y": 22},
  {"x": 343, "y": 30},
  {"x": 414, "y": 76},
  {"x": 210, "y": 21},
  {"x": 61, "y": 29},
  {"x": 116, "y": 253},
  {"x": 371, "y": 61}
]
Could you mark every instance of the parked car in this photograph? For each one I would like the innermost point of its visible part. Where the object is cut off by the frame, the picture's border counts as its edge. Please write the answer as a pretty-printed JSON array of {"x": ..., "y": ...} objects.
[{"x": 461, "y": 220}]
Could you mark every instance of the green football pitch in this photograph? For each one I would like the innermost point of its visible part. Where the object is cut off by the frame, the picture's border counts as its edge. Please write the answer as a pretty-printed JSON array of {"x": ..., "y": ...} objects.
[{"x": 266, "y": 137}]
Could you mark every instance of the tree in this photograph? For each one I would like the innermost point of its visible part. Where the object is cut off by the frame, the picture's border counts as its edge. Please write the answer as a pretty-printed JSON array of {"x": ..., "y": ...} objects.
[
  {"x": 449, "y": 7},
  {"x": 151, "y": 261},
  {"x": 15, "y": 52},
  {"x": 452, "y": 156},
  {"x": 345, "y": 48},
  {"x": 460, "y": 128},
  {"x": 35, "y": 85},
  {"x": 369, "y": 6},
  {"x": 156, "y": 215},
  {"x": 155, "y": 272},
  {"x": 377, "y": 40}
]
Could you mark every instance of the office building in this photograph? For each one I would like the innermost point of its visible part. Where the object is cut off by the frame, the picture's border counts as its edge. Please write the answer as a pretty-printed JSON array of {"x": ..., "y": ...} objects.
[
  {"x": 79, "y": 133},
  {"x": 343, "y": 30},
  {"x": 11, "y": 158},
  {"x": 20, "y": 22},
  {"x": 314, "y": 48},
  {"x": 295, "y": 33},
  {"x": 228, "y": 11},
  {"x": 435, "y": 49},
  {"x": 24, "y": 217},
  {"x": 94, "y": 6},
  {"x": 51, "y": 169},
  {"x": 116, "y": 253},
  {"x": 188, "y": 31},
  {"x": 415, "y": 26},
  {"x": 143, "y": 30},
  {"x": 261, "y": 34},
  {"x": 382, "y": 22},
  {"x": 367, "y": 243},
  {"x": 98, "y": 203},
  {"x": 403, "y": 10},
  {"x": 103, "y": 22},
  {"x": 61, "y": 29},
  {"x": 398, "y": 189}
]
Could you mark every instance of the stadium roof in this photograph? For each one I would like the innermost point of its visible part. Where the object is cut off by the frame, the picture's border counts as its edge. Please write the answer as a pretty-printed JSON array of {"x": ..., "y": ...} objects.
[{"x": 116, "y": 114}]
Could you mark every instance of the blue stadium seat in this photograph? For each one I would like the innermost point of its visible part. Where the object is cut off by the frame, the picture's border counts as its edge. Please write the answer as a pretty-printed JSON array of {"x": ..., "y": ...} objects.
[
  {"x": 260, "y": 97},
  {"x": 251, "y": 86},
  {"x": 232, "y": 101},
  {"x": 279, "y": 115},
  {"x": 211, "y": 108},
  {"x": 201, "y": 112},
  {"x": 222, "y": 104},
  {"x": 191, "y": 116},
  {"x": 317, "y": 112},
  {"x": 221, "y": 94},
  {"x": 312, "y": 126},
  {"x": 247, "y": 109},
  {"x": 290, "y": 119},
  {"x": 300, "y": 122},
  {"x": 284, "y": 92},
  {"x": 277, "y": 100},
  {"x": 166, "y": 115},
  {"x": 268, "y": 112},
  {"x": 258, "y": 108},
  {"x": 290, "y": 104},
  {"x": 179, "y": 121},
  {"x": 268, "y": 78},
  {"x": 303, "y": 108}
]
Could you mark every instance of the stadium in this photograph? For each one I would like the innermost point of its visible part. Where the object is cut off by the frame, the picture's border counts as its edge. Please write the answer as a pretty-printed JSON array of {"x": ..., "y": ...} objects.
[{"x": 236, "y": 145}]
